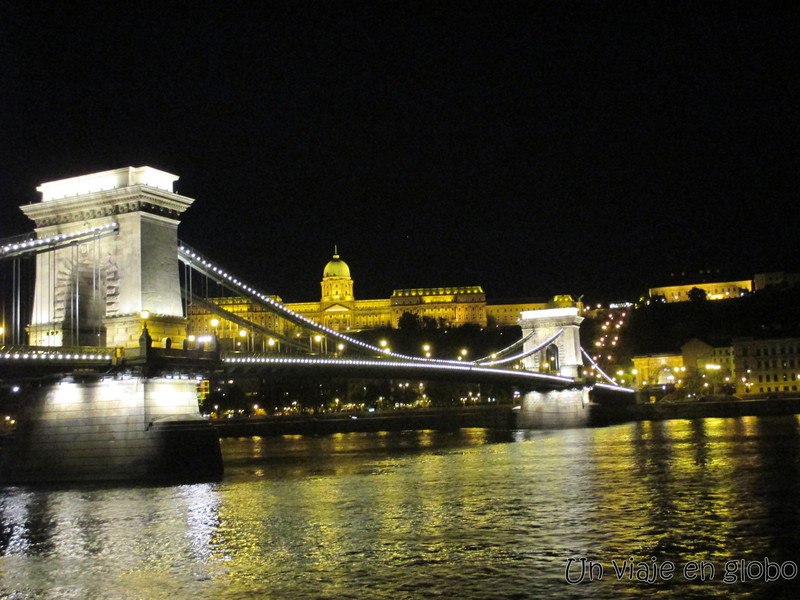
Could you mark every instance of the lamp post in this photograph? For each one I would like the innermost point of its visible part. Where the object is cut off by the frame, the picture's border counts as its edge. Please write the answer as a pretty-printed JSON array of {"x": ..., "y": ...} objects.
[
  {"x": 318, "y": 338},
  {"x": 214, "y": 324}
]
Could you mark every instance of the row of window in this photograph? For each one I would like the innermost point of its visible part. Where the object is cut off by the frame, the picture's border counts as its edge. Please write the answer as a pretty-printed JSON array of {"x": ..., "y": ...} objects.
[
  {"x": 775, "y": 377},
  {"x": 770, "y": 350},
  {"x": 771, "y": 364}
]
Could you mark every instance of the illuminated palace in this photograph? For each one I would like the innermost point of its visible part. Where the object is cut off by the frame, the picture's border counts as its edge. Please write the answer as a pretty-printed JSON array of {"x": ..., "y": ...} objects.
[{"x": 339, "y": 309}]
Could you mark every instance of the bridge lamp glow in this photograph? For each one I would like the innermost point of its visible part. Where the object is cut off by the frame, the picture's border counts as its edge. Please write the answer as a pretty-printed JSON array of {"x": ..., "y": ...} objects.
[
  {"x": 271, "y": 342},
  {"x": 242, "y": 333},
  {"x": 214, "y": 322},
  {"x": 317, "y": 338},
  {"x": 383, "y": 343}
]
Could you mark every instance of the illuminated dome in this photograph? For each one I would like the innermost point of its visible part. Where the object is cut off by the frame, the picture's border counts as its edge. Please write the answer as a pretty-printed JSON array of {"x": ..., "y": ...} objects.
[{"x": 336, "y": 267}]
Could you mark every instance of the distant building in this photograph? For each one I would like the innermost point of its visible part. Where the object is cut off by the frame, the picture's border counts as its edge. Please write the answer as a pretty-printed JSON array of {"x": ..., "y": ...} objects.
[
  {"x": 505, "y": 313},
  {"x": 702, "y": 356},
  {"x": 657, "y": 369},
  {"x": 757, "y": 368},
  {"x": 720, "y": 290},
  {"x": 763, "y": 281},
  {"x": 767, "y": 367},
  {"x": 697, "y": 357},
  {"x": 339, "y": 309}
]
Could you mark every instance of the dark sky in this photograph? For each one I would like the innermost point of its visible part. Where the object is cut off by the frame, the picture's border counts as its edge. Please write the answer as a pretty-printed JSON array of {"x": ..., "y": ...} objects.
[{"x": 532, "y": 148}]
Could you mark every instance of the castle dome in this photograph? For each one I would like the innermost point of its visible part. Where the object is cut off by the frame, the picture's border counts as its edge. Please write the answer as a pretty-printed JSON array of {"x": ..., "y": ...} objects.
[{"x": 336, "y": 267}]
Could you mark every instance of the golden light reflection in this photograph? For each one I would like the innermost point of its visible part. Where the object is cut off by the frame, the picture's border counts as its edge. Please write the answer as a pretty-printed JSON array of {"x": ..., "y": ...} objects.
[{"x": 366, "y": 515}]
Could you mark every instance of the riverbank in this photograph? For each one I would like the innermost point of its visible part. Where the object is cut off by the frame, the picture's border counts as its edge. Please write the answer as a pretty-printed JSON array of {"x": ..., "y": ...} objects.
[
  {"x": 491, "y": 416},
  {"x": 726, "y": 408},
  {"x": 488, "y": 416}
]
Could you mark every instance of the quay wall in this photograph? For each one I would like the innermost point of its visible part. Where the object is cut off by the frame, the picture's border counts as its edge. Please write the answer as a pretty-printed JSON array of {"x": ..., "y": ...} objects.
[
  {"x": 566, "y": 411},
  {"x": 132, "y": 428},
  {"x": 698, "y": 410}
]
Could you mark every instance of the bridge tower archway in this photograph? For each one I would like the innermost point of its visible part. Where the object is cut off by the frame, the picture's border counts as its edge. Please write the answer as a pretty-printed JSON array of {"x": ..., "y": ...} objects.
[
  {"x": 93, "y": 292},
  {"x": 551, "y": 362},
  {"x": 563, "y": 356}
]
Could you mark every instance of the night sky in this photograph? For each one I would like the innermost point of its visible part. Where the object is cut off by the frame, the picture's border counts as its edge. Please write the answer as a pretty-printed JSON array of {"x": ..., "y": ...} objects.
[{"x": 532, "y": 148}]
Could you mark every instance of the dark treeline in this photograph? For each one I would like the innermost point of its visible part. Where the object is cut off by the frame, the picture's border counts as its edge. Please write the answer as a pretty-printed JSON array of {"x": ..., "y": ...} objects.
[{"x": 661, "y": 327}]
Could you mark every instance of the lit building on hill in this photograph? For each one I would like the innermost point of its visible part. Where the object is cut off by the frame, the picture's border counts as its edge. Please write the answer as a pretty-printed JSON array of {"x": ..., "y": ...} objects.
[
  {"x": 720, "y": 290},
  {"x": 339, "y": 309}
]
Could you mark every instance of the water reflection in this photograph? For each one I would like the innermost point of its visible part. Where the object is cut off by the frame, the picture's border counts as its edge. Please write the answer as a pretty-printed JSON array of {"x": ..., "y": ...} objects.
[{"x": 470, "y": 514}]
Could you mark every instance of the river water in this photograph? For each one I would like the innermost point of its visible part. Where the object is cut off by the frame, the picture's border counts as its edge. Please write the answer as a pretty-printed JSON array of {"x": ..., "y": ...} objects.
[{"x": 471, "y": 514}]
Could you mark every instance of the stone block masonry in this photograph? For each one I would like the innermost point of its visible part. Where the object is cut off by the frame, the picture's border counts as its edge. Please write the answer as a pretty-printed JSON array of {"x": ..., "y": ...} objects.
[{"x": 115, "y": 429}]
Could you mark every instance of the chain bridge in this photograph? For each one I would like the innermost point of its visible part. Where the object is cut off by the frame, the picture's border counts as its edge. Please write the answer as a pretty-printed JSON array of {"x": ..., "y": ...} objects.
[{"x": 96, "y": 305}]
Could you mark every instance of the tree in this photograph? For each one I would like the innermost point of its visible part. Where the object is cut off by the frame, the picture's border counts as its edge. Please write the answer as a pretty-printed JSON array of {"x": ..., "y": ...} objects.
[
  {"x": 408, "y": 322},
  {"x": 697, "y": 295}
]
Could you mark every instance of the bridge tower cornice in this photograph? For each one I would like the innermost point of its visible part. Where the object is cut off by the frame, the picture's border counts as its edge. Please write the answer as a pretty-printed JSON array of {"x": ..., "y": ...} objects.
[{"x": 106, "y": 204}]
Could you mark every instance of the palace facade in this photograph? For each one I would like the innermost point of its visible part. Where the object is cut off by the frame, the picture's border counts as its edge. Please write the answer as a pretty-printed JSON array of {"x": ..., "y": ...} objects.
[{"x": 339, "y": 309}]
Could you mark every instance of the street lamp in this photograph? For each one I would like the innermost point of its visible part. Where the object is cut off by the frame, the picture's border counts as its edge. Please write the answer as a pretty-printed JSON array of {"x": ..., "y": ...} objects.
[{"x": 214, "y": 324}]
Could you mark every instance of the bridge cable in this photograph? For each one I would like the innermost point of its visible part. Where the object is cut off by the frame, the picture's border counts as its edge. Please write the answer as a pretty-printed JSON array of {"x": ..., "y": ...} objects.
[
  {"x": 507, "y": 349},
  {"x": 599, "y": 370},
  {"x": 222, "y": 277},
  {"x": 527, "y": 353}
]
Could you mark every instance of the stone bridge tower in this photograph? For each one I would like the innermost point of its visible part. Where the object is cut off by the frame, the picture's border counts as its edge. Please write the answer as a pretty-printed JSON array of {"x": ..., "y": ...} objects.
[
  {"x": 563, "y": 356},
  {"x": 94, "y": 292}
]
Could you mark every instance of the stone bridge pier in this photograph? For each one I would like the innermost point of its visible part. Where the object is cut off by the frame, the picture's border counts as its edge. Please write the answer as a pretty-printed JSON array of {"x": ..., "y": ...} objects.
[{"x": 117, "y": 282}]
